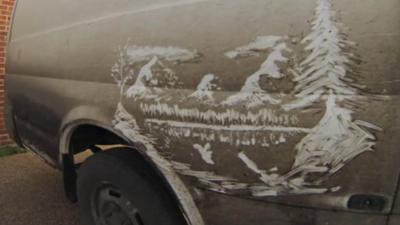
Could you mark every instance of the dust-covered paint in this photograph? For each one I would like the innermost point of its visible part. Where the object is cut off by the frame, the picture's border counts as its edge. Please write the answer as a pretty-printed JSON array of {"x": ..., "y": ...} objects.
[{"x": 324, "y": 80}]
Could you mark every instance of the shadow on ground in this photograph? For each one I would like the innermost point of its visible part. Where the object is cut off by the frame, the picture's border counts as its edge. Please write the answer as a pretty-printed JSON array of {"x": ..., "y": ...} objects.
[{"x": 31, "y": 193}]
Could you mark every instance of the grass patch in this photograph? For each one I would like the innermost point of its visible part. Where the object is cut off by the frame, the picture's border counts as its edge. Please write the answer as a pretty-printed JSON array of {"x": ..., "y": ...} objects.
[{"x": 10, "y": 150}]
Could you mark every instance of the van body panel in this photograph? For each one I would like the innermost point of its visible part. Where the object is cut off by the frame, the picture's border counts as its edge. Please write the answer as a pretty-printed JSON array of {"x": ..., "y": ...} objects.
[{"x": 280, "y": 102}]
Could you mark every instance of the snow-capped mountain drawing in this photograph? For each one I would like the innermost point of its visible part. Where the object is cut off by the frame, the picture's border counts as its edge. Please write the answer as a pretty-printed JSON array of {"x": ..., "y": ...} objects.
[
  {"x": 205, "y": 89},
  {"x": 251, "y": 92}
]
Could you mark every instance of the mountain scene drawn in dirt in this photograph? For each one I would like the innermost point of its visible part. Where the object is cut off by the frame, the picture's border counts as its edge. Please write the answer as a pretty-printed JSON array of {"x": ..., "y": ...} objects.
[{"x": 324, "y": 73}]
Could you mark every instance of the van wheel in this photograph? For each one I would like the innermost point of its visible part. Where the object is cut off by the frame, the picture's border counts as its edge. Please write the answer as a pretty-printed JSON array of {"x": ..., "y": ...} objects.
[{"x": 117, "y": 187}]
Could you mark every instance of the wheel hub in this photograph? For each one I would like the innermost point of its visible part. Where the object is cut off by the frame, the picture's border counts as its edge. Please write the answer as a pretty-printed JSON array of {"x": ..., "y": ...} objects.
[{"x": 110, "y": 207}]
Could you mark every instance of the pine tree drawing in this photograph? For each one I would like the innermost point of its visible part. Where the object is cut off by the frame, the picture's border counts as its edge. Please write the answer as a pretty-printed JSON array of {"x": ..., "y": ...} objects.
[
  {"x": 329, "y": 66},
  {"x": 122, "y": 71},
  {"x": 328, "y": 74}
]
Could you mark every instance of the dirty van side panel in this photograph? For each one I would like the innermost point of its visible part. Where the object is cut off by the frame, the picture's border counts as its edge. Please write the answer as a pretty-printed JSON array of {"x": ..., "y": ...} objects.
[
  {"x": 257, "y": 99},
  {"x": 262, "y": 213},
  {"x": 40, "y": 104}
]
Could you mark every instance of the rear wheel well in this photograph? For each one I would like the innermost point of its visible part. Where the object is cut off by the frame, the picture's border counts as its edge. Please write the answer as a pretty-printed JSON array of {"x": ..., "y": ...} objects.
[
  {"x": 88, "y": 136},
  {"x": 84, "y": 137}
]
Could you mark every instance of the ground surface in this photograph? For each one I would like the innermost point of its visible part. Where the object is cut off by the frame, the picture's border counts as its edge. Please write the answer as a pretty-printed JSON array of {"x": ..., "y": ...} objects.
[
  {"x": 10, "y": 150},
  {"x": 31, "y": 193}
]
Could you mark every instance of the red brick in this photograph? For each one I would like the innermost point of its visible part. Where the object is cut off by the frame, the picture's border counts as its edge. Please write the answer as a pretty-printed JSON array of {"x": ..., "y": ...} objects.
[{"x": 6, "y": 8}]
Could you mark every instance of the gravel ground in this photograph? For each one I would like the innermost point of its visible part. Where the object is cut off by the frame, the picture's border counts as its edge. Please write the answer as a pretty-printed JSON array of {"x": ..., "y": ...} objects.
[{"x": 31, "y": 193}]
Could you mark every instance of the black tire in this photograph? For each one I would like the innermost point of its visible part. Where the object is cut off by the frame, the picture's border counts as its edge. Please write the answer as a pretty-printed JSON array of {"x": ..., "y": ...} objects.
[{"x": 116, "y": 187}]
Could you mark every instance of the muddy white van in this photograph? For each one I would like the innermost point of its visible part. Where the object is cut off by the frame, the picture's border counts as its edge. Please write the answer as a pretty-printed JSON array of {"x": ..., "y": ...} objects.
[{"x": 261, "y": 112}]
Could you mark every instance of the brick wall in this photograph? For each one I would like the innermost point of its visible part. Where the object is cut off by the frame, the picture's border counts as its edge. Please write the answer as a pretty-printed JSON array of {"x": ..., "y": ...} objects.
[{"x": 6, "y": 7}]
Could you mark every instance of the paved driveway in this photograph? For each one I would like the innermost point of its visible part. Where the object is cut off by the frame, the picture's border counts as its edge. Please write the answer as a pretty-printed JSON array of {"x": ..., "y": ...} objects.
[{"x": 31, "y": 193}]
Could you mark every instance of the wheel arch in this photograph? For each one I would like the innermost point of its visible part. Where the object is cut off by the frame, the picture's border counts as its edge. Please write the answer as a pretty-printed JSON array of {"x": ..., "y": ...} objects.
[{"x": 172, "y": 181}]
